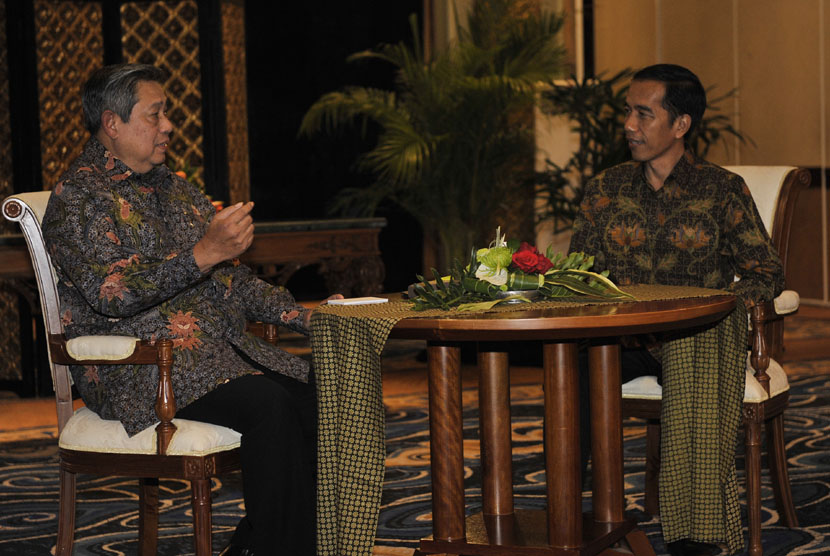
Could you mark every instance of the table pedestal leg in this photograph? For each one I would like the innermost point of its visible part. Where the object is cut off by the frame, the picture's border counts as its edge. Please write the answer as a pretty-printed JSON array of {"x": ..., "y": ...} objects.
[
  {"x": 562, "y": 530},
  {"x": 606, "y": 432},
  {"x": 496, "y": 446},
  {"x": 607, "y": 444},
  {"x": 446, "y": 442},
  {"x": 564, "y": 495}
]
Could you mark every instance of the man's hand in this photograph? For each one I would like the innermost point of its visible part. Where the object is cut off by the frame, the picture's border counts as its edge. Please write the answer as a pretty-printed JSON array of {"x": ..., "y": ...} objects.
[
  {"x": 307, "y": 316},
  {"x": 228, "y": 235}
]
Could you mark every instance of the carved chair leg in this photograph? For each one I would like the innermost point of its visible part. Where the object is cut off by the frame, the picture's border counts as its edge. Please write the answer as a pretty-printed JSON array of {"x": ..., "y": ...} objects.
[
  {"x": 200, "y": 500},
  {"x": 652, "y": 479},
  {"x": 777, "y": 458},
  {"x": 148, "y": 515},
  {"x": 66, "y": 514},
  {"x": 753, "y": 486}
]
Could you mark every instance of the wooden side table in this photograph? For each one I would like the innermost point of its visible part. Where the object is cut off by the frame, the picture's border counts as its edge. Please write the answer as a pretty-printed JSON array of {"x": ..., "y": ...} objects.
[{"x": 562, "y": 529}]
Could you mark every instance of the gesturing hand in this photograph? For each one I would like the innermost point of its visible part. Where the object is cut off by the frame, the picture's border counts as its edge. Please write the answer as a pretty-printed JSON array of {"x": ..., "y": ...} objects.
[
  {"x": 307, "y": 316},
  {"x": 228, "y": 235}
]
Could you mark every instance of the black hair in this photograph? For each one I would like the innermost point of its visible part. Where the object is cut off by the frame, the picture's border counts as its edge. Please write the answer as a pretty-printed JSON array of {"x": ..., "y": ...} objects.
[{"x": 684, "y": 92}]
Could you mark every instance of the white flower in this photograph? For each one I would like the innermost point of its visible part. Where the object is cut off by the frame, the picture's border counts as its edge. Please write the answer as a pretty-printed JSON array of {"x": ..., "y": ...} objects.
[{"x": 487, "y": 274}]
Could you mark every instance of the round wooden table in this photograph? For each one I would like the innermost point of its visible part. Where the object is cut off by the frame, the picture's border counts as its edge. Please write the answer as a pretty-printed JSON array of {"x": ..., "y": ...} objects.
[{"x": 563, "y": 529}]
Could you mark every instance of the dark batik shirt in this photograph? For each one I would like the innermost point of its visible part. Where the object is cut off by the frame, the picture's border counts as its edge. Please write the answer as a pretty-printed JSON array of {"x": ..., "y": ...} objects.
[
  {"x": 700, "y": 229},
  {"x": 122, "y": 246}
]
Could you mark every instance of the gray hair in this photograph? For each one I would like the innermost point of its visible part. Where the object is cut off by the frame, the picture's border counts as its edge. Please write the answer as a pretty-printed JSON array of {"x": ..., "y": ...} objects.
[{"x": 114, "y": 88}]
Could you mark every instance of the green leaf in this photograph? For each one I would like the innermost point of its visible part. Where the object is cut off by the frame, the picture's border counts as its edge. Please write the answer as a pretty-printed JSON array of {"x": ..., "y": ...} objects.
[{"x": 667, "y": 263}]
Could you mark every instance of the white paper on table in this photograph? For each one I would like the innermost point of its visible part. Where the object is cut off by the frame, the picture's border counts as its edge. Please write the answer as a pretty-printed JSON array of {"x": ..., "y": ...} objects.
[{"x": 357, "y": 301}]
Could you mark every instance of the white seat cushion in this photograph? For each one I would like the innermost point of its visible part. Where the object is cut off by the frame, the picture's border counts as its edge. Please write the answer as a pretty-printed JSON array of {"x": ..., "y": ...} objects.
[
  {"x": 87, "y": 432},
  {"x": 643, "y": 387},
  {"x": 646, "y": 387}
]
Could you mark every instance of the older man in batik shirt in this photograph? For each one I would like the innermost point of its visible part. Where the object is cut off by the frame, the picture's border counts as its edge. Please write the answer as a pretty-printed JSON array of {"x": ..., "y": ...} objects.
[{"x": 139, "y": 251}]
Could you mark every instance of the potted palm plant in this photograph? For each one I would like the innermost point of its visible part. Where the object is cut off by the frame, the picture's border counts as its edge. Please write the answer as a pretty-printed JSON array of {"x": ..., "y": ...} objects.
[{"x": 453, "y": 136}]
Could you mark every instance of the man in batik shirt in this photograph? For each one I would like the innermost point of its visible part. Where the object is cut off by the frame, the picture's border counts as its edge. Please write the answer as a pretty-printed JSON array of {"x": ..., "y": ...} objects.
[
  {"x": 667, "y": 217},
  {"x": 139, "y": 251}
]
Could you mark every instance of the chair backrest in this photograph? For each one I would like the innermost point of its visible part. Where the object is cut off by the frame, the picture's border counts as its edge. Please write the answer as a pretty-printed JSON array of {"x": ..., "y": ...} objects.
[
  {"x": 775, "y": 190},
  {"x": 27, "y": 209}
]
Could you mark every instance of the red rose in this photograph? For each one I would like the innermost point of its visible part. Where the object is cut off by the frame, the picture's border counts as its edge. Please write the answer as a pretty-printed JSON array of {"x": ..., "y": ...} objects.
[
  {"x": 528, "y": 259},
  {"x": 543, "y": 265}
]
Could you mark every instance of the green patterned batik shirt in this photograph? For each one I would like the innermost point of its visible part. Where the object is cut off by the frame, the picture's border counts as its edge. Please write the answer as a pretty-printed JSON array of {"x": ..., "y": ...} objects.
[{"x": 700, "y": 229}]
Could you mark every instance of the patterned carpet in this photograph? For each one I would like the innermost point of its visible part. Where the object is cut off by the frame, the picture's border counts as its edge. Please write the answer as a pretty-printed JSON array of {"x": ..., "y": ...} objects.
[{"x": 106, "y": 517}]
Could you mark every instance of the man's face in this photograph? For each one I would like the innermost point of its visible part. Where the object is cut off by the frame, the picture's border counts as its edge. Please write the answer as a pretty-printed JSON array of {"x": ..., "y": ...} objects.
[
  {"x": 649, "y": 132},
  {"x": 141, "y": 143}
]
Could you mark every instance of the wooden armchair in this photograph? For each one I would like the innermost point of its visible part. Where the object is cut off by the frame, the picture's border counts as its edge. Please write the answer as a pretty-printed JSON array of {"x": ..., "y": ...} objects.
[
  {"x": 174, "y": 448},
  {"x": 774, "y": 189}
]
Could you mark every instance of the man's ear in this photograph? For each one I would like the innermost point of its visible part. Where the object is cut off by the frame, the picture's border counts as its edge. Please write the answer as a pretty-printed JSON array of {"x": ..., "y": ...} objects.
[
  {"x": 682, "y": 124},
  {"x": 109, "y": 123}
]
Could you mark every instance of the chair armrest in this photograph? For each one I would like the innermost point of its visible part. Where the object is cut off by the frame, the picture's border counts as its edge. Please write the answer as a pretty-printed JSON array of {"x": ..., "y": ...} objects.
[
  {"x": 765, "y": 319},
  {"x": 787, "y": 302},
  {"x": 101, "y": 350},
  {"x": 759, "y": 353},
  {"x": 112, "y": 350}
]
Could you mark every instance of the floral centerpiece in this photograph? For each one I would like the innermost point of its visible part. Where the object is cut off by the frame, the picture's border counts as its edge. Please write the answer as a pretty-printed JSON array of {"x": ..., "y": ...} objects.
[{"x": 513, "y": 272}]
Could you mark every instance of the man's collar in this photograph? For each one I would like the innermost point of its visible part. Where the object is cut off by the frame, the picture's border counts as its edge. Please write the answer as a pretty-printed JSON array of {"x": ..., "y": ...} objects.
[{"x": 681, "y": 169}]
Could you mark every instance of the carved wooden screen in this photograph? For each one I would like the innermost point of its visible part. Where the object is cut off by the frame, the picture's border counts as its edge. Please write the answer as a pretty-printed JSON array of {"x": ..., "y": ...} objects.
[
  {"x": 10, "y": 363},
  {"x": 166, "y": 34}
]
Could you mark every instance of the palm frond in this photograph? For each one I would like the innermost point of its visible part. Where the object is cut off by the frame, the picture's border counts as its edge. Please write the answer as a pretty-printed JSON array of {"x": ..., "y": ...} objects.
[
  {"x": 399, "y": 154},
  {"x": 353, "y": 103}
]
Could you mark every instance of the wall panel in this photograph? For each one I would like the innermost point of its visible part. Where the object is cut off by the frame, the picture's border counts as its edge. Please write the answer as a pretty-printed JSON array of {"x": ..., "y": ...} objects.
[
  {"x": 625, "y": 32},
  {"x": 699, "y": 35},
  {"x": 236, "y": 100},
  {"x": 778, "y": 63}
]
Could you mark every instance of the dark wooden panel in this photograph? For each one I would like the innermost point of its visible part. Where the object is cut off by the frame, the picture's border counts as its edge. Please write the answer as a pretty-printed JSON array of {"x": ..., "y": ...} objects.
[
  {"x": 15, "y": 262},
  {"x": 283, "y": 247},
  {"x": 805, "y": 272}
]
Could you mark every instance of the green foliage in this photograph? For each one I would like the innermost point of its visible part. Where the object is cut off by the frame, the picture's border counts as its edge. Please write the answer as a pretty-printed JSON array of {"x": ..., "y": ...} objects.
[
  {"x": 569, "y": 277},
  {"x": 596, "y": 108},
  {"x": 452, "y": 140}
]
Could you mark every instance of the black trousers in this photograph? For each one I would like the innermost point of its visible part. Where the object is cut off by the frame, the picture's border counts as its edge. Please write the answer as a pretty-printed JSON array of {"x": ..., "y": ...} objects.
[
  {"x": 277, "y": 417},
  {"x": 634, "y": 362}
]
